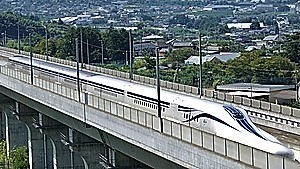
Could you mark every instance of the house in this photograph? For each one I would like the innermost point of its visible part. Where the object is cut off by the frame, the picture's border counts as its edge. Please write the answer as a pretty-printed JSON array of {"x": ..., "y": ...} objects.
[
  {"x": 221, "y": 57},
  {"x": 178, "y": 45},
  {"x": 243, "y": 25},
  {"x": 140, "y": 48},
  {"x": 271, "y": 40},
  {"x": 271, "y": 93}
]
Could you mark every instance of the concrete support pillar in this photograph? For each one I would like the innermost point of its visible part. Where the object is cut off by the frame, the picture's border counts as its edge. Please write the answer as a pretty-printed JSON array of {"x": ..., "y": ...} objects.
[
  {"x": 61, "y": 139},
  {"x": 15, "y": 132},
  {"x": 89, "y": 149},
  {"x": 35, "y": 138}
]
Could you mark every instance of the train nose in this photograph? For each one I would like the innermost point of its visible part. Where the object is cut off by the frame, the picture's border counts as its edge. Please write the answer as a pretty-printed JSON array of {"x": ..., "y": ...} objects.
[{"x": 287, "y": 153}]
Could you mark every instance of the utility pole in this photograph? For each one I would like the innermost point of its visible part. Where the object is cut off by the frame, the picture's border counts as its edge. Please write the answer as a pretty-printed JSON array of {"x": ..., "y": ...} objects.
[
  {"x": 31, "y": 68},
  {"x": 126, "y": 58},
  {"x": 81, "y": 46},
  {"x": 130, "y": 55},
  {"x": 5, "y": 40},
  {"x": 87, "y": 51},
  {"x": 158, "y": 88},
  {"x": 77, "y": 65},
  {"x": 19, "y": 39},
  {"x": 46, "y": 31},
  {"x": 102, "y": 53},
  {"x": 200, "y": 67}
]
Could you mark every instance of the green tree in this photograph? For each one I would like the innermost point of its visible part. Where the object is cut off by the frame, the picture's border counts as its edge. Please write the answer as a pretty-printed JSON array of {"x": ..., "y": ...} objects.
[
  {"x": 116, "y": 42},
  {"x": 19, "y": 158},
  {"x": 3, "y": 156},
  {"x": 179, "y": 55},
  {"x": 292, "y": 47}
]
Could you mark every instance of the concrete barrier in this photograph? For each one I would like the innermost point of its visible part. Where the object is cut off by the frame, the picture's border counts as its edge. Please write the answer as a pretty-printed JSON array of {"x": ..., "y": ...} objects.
[
  {"x": 186, "y": 133},
  {"x": 106, "y": 106},
  {"x": 195, "y": 90},
  {"x": 296, "y": 112},
  {"x": 127, "y": 113},
  {"x": 237, "y": 99},
  {"x": 246, "y": 154},
  {"x": 259, "y": 159},
  {"x": 289, "y": 164},
  {"x": 256, "y": 103},
  {"x": 175, "y": 86},
  {"x": 188, "y": 89},
  {"x": 176, "y": 132},
  {"x": 220, "y": 96},
  {"x": 265, "y": 105},
  {"x": 134, "y": 115},
  {"x": 167, "y": 127},
  {"x": 277, "y": 162},
  {"x": 136, "y": 77},
  {"x": 196, "y": 137},
  {"x": 147, "y": 80},
  {"x": 208, "y": 141},
  {"x": 152, "y": 81},
  {"x": 219, "y": 145},
  {"x": 149, "y": 120},
  {"x": 114, "y": 72},
  {"x": 169, "y": 85},
  {"x": 156, "y": 123},
  {"x": 275, "y": 108},
  {"x": 142, "y": 79},
  {"x": 101, "y": 104},
  {"x": 209, "y": 93},
  {"x": 232, "y": 149},
  {"x": 163, "y": 83},
  {"x": 142, "y": 118},
  {"x": 286, "y": 110},
  {"x": 228, "y": 97},
  {"x": 181, "y": 87},
  {"x": 98, "y": 103},
  {"x": 120, "y": 109},
  {"x": 113, "y": 109}
]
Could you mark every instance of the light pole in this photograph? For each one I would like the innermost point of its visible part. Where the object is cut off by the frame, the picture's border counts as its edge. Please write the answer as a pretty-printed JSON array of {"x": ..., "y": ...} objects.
[
  {"x": 46, "y": 32},
  {"x": 77, "y": 66},
  {"x": 81, "y": 47},
  {"x": 200, "y": 67},
  {"x": 31, "y": 68},
  {"x": 5, "y": 38},
  {"x": 19, "y": 39},
  {"x": 87, "y": 51},
  {"x": 102, "y": 54},
  {"x": 130, "y": 55},
  {"x": 158, "y": 88}
]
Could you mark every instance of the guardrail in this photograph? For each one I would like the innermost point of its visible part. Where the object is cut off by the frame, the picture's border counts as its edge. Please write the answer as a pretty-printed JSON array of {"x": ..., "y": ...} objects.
[
  {"x": 208, "y": 141},
  {"x": 267, "y": 106}
]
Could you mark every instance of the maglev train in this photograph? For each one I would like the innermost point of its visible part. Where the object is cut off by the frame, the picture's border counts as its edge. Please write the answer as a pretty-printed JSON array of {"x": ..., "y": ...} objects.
[{"x": 223, "y": 120}]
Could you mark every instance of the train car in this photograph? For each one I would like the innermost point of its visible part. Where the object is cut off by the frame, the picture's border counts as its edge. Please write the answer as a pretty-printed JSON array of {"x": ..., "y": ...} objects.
[{"x": 223, "y": 120}]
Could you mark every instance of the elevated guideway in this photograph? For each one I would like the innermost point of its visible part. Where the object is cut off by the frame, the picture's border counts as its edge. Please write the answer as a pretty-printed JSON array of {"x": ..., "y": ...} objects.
[
  {"x": 263, "y": 113},
  {"x": 198, "y": 149}
]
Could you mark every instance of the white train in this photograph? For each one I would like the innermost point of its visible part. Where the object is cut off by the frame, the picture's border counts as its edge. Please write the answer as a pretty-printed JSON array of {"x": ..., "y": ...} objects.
[{"x": 223, "y": 120}]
